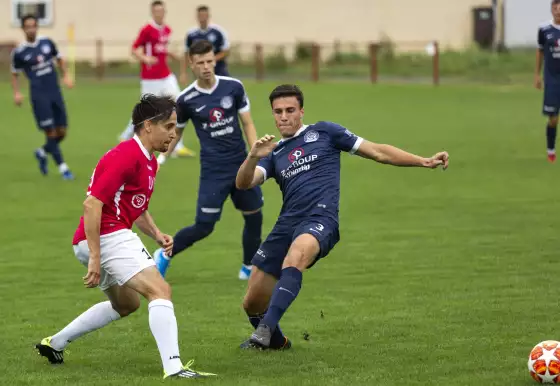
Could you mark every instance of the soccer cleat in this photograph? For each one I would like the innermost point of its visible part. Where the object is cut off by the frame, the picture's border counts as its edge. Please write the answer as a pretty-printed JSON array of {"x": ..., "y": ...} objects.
[
  {"x": 250, "y": 345},
  {"x": 261, "y": 336},
  {"x": 162, "y": 261},
  {"x": 45, "y": 349},
  {"x": 183, "y": 152},
  {"x": 68, "y": 176},
  {"x": 187, "y": 372},
  {"x": 245, "y": 272},
  {"x": 551, "y": 158},
  {"x": 42, "y": 159}
]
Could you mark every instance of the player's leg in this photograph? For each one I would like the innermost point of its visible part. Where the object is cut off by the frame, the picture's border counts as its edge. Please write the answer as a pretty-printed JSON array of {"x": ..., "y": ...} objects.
[
  {"x": 212, "y": 194},
  {"x": 551, "y": 108},
  {"x": 312, "y": 240},
  {"x": 61, "y": 124},
  {"x": 122, "y": 302},
  {"x": 255, "y": 303},
  {"x": 171, "y": 88},
  {"x": 163, "y": 323},
  {"x": 45, "y": 122},
  {"x": 249, "y": 202}
]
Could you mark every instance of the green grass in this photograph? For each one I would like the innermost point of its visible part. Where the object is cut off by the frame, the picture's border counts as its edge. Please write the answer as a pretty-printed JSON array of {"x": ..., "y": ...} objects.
[{"x": 440, "y": 278}]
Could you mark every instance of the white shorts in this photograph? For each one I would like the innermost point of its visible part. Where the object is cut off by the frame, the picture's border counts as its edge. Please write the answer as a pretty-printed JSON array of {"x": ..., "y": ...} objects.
[
  {"x": 165, "y": 86},
  {"x": 123, "y": 255}
]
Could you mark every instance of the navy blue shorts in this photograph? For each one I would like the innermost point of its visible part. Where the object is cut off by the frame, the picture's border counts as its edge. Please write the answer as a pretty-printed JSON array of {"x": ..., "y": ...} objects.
[
  {"x": 212, "y": 194},
  {"x": 551, "y": 103},
  {"x": 271, "y": 254},
  {"x": 49, "y": 112}
]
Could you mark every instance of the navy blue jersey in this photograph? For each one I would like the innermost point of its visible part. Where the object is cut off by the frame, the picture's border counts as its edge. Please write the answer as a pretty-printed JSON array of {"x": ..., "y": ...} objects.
[
  {"x": 307, "y": 169},
  {"x": 215, "y": 35},
  {"x": 214, "y": 114},
  {"x": 549, "y": 43},
  {"x": 36, "y": 60}
]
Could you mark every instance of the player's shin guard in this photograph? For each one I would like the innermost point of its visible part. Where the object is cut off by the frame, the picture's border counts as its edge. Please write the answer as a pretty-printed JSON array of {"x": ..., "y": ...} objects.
[
  {"x": 190, "y": 235},
  {"x": 551, "y": 138},
  {"x": 251, "y": 235},
  {"x": 285, "y": 293},
  {"x": 93, "y": 319},
  {"x": 278, "y": 340},
  {"x": 164, "y": 329}
]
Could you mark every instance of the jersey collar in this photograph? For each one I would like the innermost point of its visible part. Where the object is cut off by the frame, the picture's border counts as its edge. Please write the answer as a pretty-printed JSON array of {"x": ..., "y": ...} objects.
[
  {"x": 207, "y": 90},
  {"x": 300, "y": 130},
  {"x": 144, "y": 150},
  {"x": 156, "y": 25},
  {"x": 34, "y": 44}
]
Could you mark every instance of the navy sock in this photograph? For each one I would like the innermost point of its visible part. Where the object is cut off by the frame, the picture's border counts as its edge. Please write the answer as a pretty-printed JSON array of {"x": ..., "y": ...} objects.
[
  {"x": 285, "y": 293},
  {"x": 277, "y": 340},
  {"x": 190, "y": 235},
  {"x": 251, "y": 236},
  {"x": 550, "y": 137},
  {"x": 53, "y": 149}
]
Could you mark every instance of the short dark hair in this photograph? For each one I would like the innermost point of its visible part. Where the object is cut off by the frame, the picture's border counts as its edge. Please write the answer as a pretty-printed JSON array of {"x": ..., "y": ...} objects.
[
  {"x": 202, "y": 8},
  {"x": 29, "y": 16},
  {"x": 155, "y": 3},
  {"x": 554, "y": 2},
  {"x": 201, "y": 47},
  {"x": 152, "y": 108},
  {"x": 286, "y": 90}
]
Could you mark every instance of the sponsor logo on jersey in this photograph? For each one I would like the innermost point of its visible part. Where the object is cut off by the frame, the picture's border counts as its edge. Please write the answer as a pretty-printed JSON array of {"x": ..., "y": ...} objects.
[
  {"x": 311, "y": 136},
  {"x": 226, "y": 102},
  {"x": 138, "y": 200}
]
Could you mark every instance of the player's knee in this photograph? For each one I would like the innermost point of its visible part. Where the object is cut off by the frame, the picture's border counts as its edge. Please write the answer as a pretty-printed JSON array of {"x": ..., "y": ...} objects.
[
  {"x": 254, "y": 305},
  {"x": 205, "y": 229},
  {"x": 553, "y": 121},
  {"x": 51, "y": 134},
  {"x": 126, "y": 308},
  {"x": 161, "y": 290},
  {"x": 61, "y": 133}
]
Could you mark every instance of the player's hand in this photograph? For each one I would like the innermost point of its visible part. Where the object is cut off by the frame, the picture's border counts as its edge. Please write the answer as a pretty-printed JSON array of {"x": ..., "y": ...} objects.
[
  {"x": 440, "y": 159},
  {"x": 149, "y": 60},
  {"x": 166, "y": 242},
  {"x": 263, "y": 147},
  {"x": 91, "y": 280},
  {"x": 18, "y": 98},
  {"x": 538, "y": 82},
  {"x": 67, "y": 81}
]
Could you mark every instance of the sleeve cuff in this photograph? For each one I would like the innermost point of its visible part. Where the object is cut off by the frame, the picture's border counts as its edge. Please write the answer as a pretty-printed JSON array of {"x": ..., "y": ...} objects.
[
  {"x": 264, "y": 172},
  {"x": 357, "y": 144},
  {"x": 181, "y": 125},
  {"x": 244, "y": 109}
]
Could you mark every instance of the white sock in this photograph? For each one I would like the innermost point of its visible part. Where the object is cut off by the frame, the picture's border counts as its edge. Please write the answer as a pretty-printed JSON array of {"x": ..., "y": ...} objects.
[
  {"x": 96, "y": 317},
  {"x": 551, "y": 151},
  {"x": 164, "y": 328},
  {"x": 161, "y": 159},
  {"x": 63, "y": 168},
  {"x": 41, "y": 152},
  {"x": 128, "y": 132}
]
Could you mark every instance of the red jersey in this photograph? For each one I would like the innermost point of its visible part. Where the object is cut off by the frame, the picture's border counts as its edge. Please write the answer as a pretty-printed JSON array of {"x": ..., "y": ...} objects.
[
  {"x": 154, "y": 39},
  {"x": 124, "y": 181}
]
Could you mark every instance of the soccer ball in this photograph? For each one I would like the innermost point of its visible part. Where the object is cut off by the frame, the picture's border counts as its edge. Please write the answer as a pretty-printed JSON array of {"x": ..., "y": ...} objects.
[{"x": 544, "y": 362}]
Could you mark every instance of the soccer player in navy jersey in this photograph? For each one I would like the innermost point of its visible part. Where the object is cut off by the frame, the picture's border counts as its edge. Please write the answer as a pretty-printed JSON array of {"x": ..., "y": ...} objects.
[
  {"x": 36, "y": 58},
  {"x": 549, "y": 52},
  {"x": 217, "y": 105},
  {"x": 306, "y": 165}
]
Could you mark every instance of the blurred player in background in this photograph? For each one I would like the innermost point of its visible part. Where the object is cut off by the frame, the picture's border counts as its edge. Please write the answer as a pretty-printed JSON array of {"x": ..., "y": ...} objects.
[
  {"x": 118, "y": 197},
  {"x": 35, "y": 57},
  {"x": 151, "y": 50},
  {"x": 306, "y": 165},
  {"x": 214, "y": 34},
  {"x": 215, "y": 104},
  {"x": 549, "y": 53}
]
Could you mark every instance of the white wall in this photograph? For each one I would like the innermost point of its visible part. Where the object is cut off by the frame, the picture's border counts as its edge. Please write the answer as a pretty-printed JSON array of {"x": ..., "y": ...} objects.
[{"x": 522, "y": 19}]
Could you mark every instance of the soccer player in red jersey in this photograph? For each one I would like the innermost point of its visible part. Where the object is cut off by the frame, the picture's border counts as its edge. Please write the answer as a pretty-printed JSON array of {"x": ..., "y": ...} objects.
[
  {"x": 118, "y": 263},
  {"x": 151, "y": 49}
]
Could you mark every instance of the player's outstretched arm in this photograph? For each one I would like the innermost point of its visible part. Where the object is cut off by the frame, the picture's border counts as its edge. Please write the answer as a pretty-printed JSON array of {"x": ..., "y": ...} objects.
[
  {"x": 538, "y": 68},
  {"x": 387, "y": 154},
  {"x": 248, "y": 176},
  {"x": 147, "y": 225},
  {"x": 92, "y": 225}
]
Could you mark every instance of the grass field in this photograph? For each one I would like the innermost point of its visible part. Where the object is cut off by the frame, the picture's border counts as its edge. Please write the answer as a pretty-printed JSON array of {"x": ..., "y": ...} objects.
[{"x": 440, "y": 278}]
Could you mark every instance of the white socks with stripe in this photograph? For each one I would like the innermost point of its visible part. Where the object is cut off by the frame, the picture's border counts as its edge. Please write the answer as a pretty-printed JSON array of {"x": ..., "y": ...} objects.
[
  {"x": 164, "y": 329},
  {"x": 93, "y": 319}
]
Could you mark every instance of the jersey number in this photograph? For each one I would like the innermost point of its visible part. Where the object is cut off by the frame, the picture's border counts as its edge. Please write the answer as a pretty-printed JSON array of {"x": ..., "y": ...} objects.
[{"x": 147, "y": 254}]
